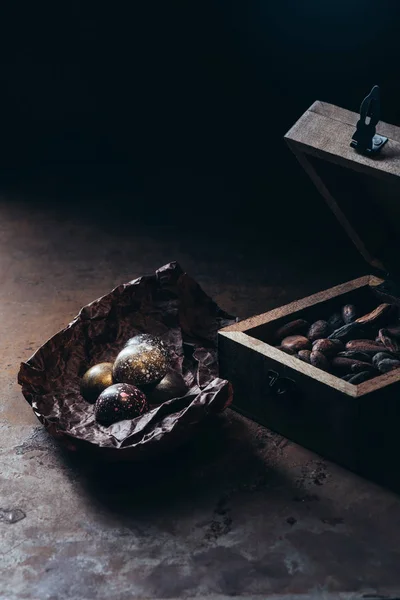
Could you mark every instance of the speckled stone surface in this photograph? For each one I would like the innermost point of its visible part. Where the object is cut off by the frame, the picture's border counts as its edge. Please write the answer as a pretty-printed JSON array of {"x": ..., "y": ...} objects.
[{"x": 240, "y": 512}]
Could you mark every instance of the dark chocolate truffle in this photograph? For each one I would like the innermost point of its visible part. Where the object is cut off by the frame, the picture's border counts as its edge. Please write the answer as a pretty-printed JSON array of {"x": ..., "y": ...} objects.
[
  {"x": 171, "y": 386},
  {"x": 95, "y": 380},
  {"x": 119, "y": 402},
  {"x": 140, "y": 364}
]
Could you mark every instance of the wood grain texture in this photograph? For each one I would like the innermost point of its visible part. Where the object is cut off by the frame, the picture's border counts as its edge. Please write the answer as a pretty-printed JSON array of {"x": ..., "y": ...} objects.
[
  {"x": 291, "y": 362},
  {"x": 378, "y": 383},
  {"x": 351, "y": 118},
  {"x": 374, "y": 281},
  {"x": 317, "y": 416},
  {"x": 329, "y": 139},
  {"x": 298, "y": 305},
  {"x": 324, "y": 132}
]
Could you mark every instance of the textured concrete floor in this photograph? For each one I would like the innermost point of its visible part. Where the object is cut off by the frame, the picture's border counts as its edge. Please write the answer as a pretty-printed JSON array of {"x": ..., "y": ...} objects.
[{"x": 241, "y": 512}]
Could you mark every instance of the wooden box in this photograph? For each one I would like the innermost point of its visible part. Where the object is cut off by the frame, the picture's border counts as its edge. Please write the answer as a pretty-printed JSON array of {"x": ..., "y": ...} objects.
[{"x": 354, "y": 425}]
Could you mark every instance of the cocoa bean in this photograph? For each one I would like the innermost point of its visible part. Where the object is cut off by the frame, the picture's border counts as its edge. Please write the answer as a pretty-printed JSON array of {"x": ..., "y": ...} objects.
[
  {"x": 338, "y": 344},
  {"x": 296, "y": 343},
  {"x": 380, "y": 313},
  {"x": 394, "y": 331},
  {"x": 388, "y": 364},
  {"x": 344, "y": 333},
  {"x": 319, "y": 329},
  {"x": 299, "y": 326},
  {"x": 304, "y": 355},
  {"x": 388, "y": 341},
  {"x": 355, "y": 354},
  {"x": 343, "y": 365},
  {"x": 347, "y": 377},
  {"x": 319, "y": 360},
  {"x": 286, "y": 350},
  {"x": 360, "y": 377},
  {"x": 376, "y": 359},
  {"x": 347, "y": 365},
  {"x": 367, "y": 346},
  {"x": 335, "y": 321},
  {"x": 327, "y": 347},
  {"x": 359, "y": 366},
  {"x": 349, "y": 313}
]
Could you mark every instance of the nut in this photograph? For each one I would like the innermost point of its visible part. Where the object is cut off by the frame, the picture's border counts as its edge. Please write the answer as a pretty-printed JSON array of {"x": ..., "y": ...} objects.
[
  {"x": 355, "y": 354},
  {"x": 296, "y": 343},
  {"x": 394, "y": 331},
  {"x": 319, "y": 360},
  {"x": 299, "y": 326},
  {"x": 348, "y": 376},
  {"x": 359, "y": 366},
  {"x": 319, "y": 329},
  {"x": 286, "y": 350},
  {"x": 376, "y": 359},
  {"x": 360, "y": 377},
  {"x": 335, "y": 321},
  {"x": 343, "y": 365},
  {"x": 389, "y": 341},
  {"x": 367, "y": 346},
  {"x": 328, "y": 347},
  {"x": 349, "y": 313},
  {"x": 345, "y": 332},
  {"x": 378, "y": 314},
  {"x": 350, "y": 365},
  {"x": 388, "y": 364},
  {"x": 304, "y": 355}
]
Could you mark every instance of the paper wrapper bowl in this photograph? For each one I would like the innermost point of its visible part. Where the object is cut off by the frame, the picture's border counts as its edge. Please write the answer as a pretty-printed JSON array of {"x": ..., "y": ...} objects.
[{"x": 168, "y": 304}]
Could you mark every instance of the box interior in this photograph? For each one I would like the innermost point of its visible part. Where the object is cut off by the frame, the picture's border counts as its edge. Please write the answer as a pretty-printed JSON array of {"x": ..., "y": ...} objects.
[{"x": 365, "y": 298}]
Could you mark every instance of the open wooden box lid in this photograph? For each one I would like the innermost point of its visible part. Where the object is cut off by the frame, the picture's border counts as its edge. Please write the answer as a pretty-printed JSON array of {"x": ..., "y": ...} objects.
[{"x": 362, "y": 191}]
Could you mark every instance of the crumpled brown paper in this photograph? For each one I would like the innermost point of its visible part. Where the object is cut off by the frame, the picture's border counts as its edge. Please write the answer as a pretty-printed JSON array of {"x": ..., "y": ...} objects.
[{"x": 168, "y": 304}]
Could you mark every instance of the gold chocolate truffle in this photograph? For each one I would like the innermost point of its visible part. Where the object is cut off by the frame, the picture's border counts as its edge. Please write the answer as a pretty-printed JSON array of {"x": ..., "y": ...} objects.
[
  {"x": 140, "y": 364},
  {"x": 95, "y": 380}
]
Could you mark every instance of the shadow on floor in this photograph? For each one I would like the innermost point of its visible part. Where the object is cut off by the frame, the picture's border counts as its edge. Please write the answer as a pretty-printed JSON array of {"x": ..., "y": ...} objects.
[{"x": 222, "y": 459}]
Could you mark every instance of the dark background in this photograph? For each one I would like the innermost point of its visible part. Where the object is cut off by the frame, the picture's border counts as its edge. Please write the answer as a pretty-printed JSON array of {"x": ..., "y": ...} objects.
[{"x": 179, "y": 108}]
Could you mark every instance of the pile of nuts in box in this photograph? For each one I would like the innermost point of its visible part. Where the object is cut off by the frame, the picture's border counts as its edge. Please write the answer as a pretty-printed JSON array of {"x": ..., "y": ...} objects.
[{"x": 354, "y": 348}]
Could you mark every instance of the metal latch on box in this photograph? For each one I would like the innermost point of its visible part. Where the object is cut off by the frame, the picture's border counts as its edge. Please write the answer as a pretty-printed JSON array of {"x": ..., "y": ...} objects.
[{"x": 365, "y": 139}]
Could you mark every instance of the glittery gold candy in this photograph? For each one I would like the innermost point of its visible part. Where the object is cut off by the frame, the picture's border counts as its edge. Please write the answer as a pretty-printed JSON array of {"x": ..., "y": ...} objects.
[
  {"x": 140, "y": 364},
  {"x": 95, "y": 380},
  {"x": 119, "y": 402}
]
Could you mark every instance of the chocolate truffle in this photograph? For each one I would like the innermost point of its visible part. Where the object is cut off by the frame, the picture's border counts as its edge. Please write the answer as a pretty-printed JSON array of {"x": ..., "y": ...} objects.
[
  {"x": 171, "y": 386},
  {"x": 95, "y": 380},
  {"x": 149, "y": 340},
  {"x": 140, "y": 364},
  {"x": 119, "y": 402}
]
